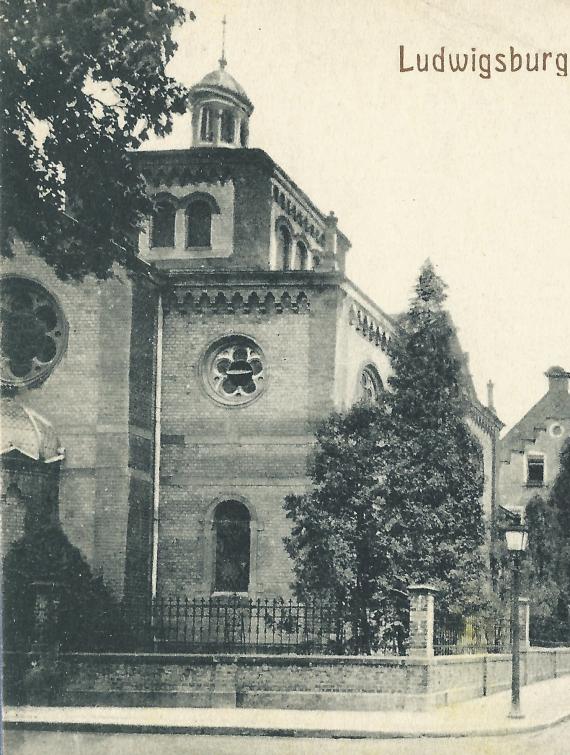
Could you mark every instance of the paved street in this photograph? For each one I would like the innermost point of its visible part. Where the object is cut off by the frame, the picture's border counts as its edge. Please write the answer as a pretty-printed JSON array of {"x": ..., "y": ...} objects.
[{"x": 553, "y": 741}]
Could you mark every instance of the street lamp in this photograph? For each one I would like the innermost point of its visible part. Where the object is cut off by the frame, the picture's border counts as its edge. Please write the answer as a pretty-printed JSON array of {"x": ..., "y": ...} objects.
[{"x": 517, "y": 538}]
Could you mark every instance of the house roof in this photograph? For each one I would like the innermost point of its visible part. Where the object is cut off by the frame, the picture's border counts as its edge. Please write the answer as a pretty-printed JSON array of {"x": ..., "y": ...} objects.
[{"x": 555, "y": 404}]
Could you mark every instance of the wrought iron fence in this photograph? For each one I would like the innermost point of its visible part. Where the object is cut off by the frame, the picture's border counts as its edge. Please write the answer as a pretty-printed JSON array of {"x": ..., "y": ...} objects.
[
  {"x": 239, "y": 625},
  {"x": 458, "y": 635}
]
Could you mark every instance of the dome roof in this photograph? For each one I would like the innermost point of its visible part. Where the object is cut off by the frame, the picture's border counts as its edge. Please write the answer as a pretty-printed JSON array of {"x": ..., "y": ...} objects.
[
  {"x": 26, "y": 431},
  {"x": 556, "y": 371},
  {"x": 221, "y": 82}
]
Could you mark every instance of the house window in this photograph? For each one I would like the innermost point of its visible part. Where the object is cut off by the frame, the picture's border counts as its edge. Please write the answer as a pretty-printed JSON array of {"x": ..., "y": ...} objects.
[
  {"x": 198, "y": 224},
  {"x": 228, "y": 126},
  {"x": 207, "y": 125},
  {"x": 370, "y": 386},
  {"x": 303, "y": 256},
  {"x": 535, "y": 470},
  {"x": 283, "y": 248},
  {"x": 162, "y": 224},
  {"x": 232, "y": 529}
]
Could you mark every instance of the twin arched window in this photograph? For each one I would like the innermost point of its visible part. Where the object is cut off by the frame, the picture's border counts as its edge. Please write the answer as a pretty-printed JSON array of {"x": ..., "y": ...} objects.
[
  {"x": 198, "y": 217},
  {"x": 232, "y": 547},
  {"x": 285, "y": 251}
]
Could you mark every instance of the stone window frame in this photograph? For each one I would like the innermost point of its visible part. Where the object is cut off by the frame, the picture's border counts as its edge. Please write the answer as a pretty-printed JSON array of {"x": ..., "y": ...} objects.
[
  {"x": 39, "y": 376},
  {"x": 530, "y": 457},
  {"x": 185, "y": 203},
  {"x": 206, "y": 364},
  {"x": 374, "y": 373},
  {"x": 285, "y": 264},
  {"x": 208, "y": 524},
  {"x": 162, "y": 198}
]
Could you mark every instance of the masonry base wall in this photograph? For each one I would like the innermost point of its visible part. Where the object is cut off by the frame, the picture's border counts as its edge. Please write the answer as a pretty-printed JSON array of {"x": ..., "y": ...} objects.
[{"x": 298, "y": 682}]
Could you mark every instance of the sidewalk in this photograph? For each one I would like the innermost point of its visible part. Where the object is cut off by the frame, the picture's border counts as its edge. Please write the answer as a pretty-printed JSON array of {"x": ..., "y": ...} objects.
[{"x": 544, "y": 704}]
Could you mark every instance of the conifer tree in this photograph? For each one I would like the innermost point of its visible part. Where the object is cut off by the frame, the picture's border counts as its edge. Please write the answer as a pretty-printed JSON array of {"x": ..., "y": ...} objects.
[{"x": 435, "y": 482}]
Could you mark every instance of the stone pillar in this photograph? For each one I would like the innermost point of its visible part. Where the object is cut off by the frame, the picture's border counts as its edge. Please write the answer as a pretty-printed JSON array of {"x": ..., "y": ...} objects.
[
  {"x": 524, "y": 623},
  {"x": 421, "y": 619}
]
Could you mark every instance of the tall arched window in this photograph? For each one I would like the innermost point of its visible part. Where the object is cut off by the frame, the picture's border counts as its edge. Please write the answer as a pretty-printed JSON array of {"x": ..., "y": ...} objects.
[
  {"x": 162, "y": 224},
  {"x": 283, "y": 248},
  {"x": 232, "y": 536},
  {"x": 302, "y": 256},
  {"x": 198, "y": 224},
  {"x": 371, "y": 387},
  {"x": 228, "y": 126},
  {"x": 207, "y": 125}
]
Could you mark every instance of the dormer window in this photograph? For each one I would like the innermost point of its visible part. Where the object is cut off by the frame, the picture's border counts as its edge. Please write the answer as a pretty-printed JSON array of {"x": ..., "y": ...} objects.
[
  {"x": 162, "y": 224},
  {"x": 198, "y": 224},
  {"x": 283, "y": 248},
  {"x": 207, "y": 125},
  {"x": 228, "y": 126}
]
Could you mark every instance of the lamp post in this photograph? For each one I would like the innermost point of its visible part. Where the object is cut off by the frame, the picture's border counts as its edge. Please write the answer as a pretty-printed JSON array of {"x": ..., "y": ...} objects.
[{"x": 517, "y": 538}]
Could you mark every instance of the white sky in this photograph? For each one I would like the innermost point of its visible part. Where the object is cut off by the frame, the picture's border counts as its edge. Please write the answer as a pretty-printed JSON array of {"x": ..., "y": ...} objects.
[{"x": 473, "y": 173}]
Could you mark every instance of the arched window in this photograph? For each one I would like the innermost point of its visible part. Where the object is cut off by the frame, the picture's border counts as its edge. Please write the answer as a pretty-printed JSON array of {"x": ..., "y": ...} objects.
[
  {"x": 162, "y": 224},
  {"x": 228, "y": 126},
  {"x": 232, "y": 536},
  {"x": 198, "y": 223},
  {"x": 207, "y": 125},
  {"x": 302, "y": 256},
  {"x": 371, "y": 387},
  {"x": 283, "y": 248}
]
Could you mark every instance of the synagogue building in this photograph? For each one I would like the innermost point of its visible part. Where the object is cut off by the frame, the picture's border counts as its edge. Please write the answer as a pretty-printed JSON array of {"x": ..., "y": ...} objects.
[{"x": 162, "y": 417}]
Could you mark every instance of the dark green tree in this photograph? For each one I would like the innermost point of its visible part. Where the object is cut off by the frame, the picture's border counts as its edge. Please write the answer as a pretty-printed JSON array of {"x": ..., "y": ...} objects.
[
  {"x": 560, "y": 543},
  {"x": 397, "y": 488},
  {"x": 83, "y": 83},
  {"x": 342, "y": 550},
  {"x": 435, "y": 482},
  {"x": 89, "y": 618},
  {"x": 540, "y": 568}
]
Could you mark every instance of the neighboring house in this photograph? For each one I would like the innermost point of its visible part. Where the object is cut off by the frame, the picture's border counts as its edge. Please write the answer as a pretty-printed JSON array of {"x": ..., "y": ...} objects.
[
  {"x": 530, "y": 451},
  {"x": 167, "y": 414}
]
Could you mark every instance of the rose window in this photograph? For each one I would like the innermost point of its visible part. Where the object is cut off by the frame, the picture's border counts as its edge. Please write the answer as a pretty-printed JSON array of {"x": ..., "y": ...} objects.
[
  {"x": 33, "y": 332},
  {"x": 235, "y": 371}
]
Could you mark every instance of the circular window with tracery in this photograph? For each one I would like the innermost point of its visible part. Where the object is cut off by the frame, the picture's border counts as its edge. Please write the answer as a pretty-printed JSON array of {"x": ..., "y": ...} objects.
[
  {"x": 371, "y": 387},
  {"x": 33, "y": 333},
  {"x": 234, "y": 370}
]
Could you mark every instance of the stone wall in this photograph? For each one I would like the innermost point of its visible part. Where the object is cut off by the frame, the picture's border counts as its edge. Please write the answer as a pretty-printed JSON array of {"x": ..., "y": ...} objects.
[{"x": 299, "y": 682}]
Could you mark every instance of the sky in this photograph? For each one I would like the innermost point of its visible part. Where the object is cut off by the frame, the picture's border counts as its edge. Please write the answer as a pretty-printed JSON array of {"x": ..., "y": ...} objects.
[{"x": 471, "y": 172}]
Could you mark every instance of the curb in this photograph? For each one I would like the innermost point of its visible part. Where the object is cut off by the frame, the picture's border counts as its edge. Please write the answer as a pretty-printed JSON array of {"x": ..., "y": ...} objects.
[{"x": 268, "y": 731}]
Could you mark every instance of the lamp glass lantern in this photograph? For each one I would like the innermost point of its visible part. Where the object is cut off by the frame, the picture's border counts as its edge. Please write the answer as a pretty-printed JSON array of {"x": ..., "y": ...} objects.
[{"x": 517, "y": 538}]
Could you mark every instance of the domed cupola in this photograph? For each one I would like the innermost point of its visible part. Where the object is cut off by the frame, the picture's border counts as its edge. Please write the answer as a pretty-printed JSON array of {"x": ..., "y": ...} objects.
[{"x": 220, "y": 110}]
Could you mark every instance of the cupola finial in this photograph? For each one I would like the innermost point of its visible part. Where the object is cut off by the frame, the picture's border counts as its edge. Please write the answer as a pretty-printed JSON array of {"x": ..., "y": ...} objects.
[{"x": 222, "y": 61}]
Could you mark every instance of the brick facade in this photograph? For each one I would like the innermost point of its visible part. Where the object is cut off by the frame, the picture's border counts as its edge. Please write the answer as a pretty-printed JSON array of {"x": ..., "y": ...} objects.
[{"x": 149, "y": 453}]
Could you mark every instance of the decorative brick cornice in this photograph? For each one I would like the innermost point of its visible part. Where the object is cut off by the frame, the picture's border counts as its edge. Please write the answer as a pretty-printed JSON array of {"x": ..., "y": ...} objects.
[
  {"x": 215, "y": 301},
  {"x": 484, "y": 418}
]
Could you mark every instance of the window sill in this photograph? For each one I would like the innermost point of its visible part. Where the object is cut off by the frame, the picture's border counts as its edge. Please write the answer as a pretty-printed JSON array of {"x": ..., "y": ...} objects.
[
  {"x": 198, "y": 248},
  {"x": 223, "y": 594},
  {"x": 534, "y": 484}
]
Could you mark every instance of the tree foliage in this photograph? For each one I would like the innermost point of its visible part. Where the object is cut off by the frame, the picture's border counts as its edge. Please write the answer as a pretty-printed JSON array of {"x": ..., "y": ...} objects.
[
  {"x": 83, "y": 82},
  {"x": 397, "y": 488},
  {"x": 436, "y": 479},
  {"x": 88, "y": 616}
]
